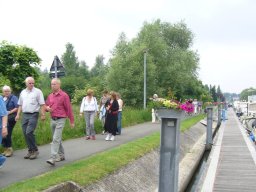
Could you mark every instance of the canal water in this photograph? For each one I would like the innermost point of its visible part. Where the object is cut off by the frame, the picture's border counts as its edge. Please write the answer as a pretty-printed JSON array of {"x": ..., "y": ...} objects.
[{"x": 192, "y": 186}]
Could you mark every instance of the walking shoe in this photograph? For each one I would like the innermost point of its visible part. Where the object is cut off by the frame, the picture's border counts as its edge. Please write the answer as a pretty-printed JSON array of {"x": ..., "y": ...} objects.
[
  {"x": 9, "y": 152},
  {"x": 108, "y": 137},
  {"x": 93, "y": 137},
  {"x": 103, "y": 132},
  {"x": 34, "y": 155},
  {"x": 28, "y": 155},
  {"x": 87, "y": 137},
  {"x": 5, "y": 150},
  {"x": 51, "y": 161},
  {"x": 58, "y": 159},
  {"x": 112, "y": 138}
]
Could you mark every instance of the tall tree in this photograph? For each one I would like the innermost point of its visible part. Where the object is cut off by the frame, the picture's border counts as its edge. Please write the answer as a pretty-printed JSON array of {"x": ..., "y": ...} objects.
[
  {"x": 171, "y": 65},
  {"x": 70, "y": 61},
  {"x": 16, "y": 64},
  {"x": 84, "y": 70},
  {"x": 247, "y": 92},
  {"x": 99, "y": 68},
  {"x": 98, "y": 74},
  {"x": 214, "y": 93}
]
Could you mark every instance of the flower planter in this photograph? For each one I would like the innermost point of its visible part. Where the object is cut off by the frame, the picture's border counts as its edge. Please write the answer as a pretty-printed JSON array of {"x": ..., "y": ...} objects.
[{"x": 170, "y": 113}]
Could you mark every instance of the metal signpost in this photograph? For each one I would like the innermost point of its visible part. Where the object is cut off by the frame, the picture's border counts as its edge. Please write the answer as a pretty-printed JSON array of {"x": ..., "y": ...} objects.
[
  {"x": 169, "y": 152},
  {"x": 145, "y": 75},
  {"x": 57, "y": 68},
  {"x": 209, "y": 128}
]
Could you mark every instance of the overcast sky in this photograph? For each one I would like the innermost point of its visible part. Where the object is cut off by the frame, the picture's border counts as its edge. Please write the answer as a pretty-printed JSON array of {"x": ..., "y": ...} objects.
[{"x": 224, "y": 31}]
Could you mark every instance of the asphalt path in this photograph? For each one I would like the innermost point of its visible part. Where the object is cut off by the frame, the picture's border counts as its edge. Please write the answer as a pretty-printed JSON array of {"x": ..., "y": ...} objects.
[{"x": 17, "y": 168}]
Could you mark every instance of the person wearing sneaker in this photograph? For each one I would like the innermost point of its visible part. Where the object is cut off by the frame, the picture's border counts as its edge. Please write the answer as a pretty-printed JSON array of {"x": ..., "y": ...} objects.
[
  {"x": 58, "y": 104},
  {"x": 30, "y": 101},
  {"x": 111, "y": 118},
  {"x": 89, "y": 107},
  {"x": 11, "y": 102},
  {"x": 3, "y": 126},
  {"x": 102, "y": 115},
  {"x": 119, "y": 115}
]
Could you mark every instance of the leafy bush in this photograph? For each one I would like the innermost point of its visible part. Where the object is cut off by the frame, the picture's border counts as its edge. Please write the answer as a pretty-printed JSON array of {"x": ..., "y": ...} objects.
[
  {"x": 71, "y": 83},
  {"x": 80, "y": 93}
]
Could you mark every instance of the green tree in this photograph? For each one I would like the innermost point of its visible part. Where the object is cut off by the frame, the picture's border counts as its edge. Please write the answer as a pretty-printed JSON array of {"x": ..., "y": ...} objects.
[
  {"x": 126, "y": 71},
  {"x": 171, "y": 65},
  {"x": 99, "y": 67},
  {"x": 220, "y": 94},
  {"x": 214, "y": 93},
  {"x": 84, "y": 70},
  {"x": 98, "y": 74},
  {"x": 16, "y": 64},
  {"x": 70, "y": 61},
  {"x": 247, "y": 92}
]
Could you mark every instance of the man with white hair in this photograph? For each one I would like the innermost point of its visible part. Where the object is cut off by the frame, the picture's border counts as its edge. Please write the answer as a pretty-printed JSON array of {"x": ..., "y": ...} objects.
[
  {"x": 58, "y": 104},
  {"x": 11, "y": 102},
  {"x": 30, "y": 101}
]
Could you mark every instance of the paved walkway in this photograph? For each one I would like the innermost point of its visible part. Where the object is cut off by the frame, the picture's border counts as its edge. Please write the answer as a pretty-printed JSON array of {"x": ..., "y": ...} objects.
[
  {"x": 233, "y": 163},
  {"x": 17, "y": 168}
]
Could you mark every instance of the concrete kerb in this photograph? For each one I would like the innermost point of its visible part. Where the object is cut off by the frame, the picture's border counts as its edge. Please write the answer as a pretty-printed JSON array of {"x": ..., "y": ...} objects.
[{"x": 64, "y": 187}]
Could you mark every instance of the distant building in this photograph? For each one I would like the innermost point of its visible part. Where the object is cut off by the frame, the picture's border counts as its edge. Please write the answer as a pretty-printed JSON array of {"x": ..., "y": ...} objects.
[{"x": 252, "y": 99}]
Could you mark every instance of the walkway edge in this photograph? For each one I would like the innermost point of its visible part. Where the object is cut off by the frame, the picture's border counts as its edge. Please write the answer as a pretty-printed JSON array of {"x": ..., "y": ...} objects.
[
  {"x": 189, "y": 163},
  {"x": 247, "y": 141},
  {"x": 211, "y": 173}
]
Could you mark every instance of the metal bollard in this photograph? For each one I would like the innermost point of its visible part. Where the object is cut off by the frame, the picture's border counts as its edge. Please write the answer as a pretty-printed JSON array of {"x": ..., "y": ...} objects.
[
  {"x": 169, "y": 152},
  {"x": 208, "y": 145},
  {"x": 219, "y": 115},
  {"x": 153, "y": 115}
]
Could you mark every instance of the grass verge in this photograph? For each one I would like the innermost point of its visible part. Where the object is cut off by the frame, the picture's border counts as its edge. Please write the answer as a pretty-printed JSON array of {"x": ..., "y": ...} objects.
[
  {"x": 187, "y": 123},
  {"x": 93, "y": 168}
]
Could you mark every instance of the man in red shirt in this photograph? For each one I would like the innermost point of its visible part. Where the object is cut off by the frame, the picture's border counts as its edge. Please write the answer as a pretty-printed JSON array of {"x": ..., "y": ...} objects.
[{"x": 58, "y": 104}]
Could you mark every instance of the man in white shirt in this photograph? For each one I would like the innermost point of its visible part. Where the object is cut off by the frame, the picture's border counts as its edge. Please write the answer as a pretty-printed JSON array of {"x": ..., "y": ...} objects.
[{"x": 30, "y": 101}]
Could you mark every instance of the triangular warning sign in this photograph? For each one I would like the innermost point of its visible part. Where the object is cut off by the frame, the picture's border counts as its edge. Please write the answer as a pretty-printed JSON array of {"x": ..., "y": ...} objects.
[{"x": 59, "y": 65}]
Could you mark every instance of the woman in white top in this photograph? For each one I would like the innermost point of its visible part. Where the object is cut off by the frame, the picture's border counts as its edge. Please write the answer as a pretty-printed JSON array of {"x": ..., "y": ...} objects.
[{"x": 89, "y": 107}]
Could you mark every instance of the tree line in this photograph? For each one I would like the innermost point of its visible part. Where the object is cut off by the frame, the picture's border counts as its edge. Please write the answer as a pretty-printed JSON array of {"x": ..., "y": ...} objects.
[{"x": 172, "y": 67}]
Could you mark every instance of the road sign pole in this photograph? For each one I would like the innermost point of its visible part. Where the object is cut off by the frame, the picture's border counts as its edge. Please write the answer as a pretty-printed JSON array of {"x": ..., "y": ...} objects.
[{"x": 55, "y": 66}]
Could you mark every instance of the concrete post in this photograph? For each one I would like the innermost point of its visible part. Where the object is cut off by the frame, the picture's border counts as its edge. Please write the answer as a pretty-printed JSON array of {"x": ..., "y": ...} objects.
[
  {"x": 153, "y": 115},
  {"x": 219, "y": 115},
  {"x": 169, "y": 152},
  {"x": 209, "y": 128}
]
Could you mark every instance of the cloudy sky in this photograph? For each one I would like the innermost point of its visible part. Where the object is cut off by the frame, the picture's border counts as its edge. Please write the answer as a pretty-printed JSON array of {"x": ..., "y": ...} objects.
[{"x": 224, "y": 31}]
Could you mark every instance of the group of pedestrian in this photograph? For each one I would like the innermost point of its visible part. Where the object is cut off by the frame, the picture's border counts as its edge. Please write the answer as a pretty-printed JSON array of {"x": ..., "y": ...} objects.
[
  {"x": 32, "y": 105},
  {"x": 109, "y": 110}
]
